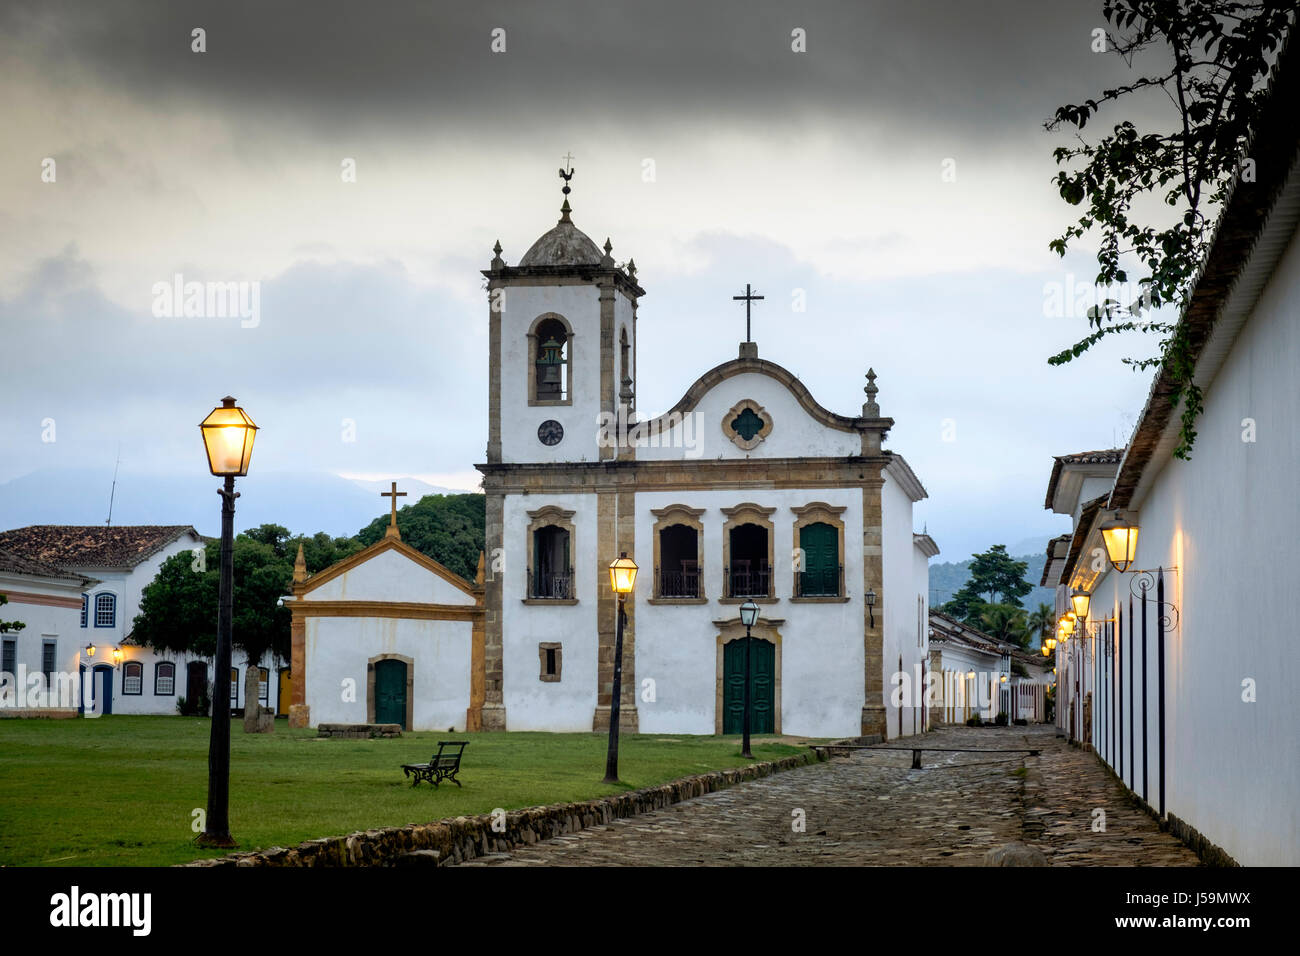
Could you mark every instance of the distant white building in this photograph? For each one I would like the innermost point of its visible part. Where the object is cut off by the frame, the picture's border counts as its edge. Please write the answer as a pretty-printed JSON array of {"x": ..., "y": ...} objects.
[
  {"x": 1182, "y": 676},
  {"x": 113, "y": 565}
]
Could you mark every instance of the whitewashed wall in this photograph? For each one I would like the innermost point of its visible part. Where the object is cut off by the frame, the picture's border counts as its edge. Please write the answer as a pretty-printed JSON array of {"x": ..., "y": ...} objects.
[
  {"x": 822, "y": 652},
  {"x": 1229, "y": 519},
  {"x": 339, "y": 648},
  {"x": 531, "y": 703},
  {"x": 580, "y": 306},
  {"x": 794, "y": 434}
]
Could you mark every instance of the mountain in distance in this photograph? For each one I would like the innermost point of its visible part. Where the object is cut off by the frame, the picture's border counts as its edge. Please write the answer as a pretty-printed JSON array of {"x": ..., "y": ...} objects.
[{"x": 303, "y": 502}]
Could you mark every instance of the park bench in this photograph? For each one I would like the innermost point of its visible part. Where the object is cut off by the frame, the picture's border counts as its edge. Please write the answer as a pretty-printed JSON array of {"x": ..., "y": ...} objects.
[{"x": 443, "y": 765}]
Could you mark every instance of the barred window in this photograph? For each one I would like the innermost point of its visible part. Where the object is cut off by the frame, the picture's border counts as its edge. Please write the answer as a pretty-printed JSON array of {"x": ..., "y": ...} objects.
[
  {"x": 234, "y": 685},
  {"x": 164, "y": 680},
  {"x": 105, "y": 610},
  {"x": 48, "y": 661},
  {"x": 133, "y": 678},
  {"x": 10, "y": 661},
  {"x": 263, "y": 682},
  {"x": 85, "y": 606}
]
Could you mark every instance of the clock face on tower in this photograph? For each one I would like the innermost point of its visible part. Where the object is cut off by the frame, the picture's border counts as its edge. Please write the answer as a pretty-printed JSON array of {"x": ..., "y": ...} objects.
[{"x": 550, "y": 432}]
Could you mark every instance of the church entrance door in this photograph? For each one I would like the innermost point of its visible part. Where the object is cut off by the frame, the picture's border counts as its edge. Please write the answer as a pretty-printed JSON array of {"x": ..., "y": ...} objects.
[
  {"x": 284, "y": 694},
  {"x": 390, "y": 693},
  {"x": 762, "y": 693}
]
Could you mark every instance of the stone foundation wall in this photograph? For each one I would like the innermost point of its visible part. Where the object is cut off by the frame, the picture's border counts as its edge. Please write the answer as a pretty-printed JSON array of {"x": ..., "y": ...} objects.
[{"x": 446, "y": 842}]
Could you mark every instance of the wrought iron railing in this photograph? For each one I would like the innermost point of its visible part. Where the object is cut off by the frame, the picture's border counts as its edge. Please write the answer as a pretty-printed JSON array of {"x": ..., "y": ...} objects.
[
  {"x": 677, "y": 584},
  {"x": 748, "y": 583},
  {"x": 820, "y": 582},
  {"x": 550, "y": 585}
]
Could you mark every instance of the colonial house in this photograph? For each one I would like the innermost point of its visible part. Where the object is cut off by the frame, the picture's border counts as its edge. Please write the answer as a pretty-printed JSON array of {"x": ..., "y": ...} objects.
[
  {"x": 47, "y": 601},
  {"x": 1180, "y": 674},
  {"x": 746, "y": 490},
  {"x": 114, "y": 565},
  {"x": 973, "y": 675}
]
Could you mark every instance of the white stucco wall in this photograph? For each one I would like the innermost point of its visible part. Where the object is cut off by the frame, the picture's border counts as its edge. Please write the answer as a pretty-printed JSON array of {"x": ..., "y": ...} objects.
[
  {"x": 531, "y": 703},
  {"x": 339, "y": 648},
  {"x": 904, "y": 579},
  {"x": 580, "y": 306},
  {"x": 794, "y": 433},
  {"x": 1228, "y": 519},
  {"x": 390, "y": 576},
  {"x": 821, "y": 644}
]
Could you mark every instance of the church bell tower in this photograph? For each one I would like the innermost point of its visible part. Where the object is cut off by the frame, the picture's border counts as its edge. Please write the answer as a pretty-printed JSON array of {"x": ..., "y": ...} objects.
[{"x": 562, "y": 347}]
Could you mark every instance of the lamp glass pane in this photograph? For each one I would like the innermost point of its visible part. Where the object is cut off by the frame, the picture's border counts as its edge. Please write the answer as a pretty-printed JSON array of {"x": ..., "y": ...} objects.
[{"x": 1121, "y": 546}]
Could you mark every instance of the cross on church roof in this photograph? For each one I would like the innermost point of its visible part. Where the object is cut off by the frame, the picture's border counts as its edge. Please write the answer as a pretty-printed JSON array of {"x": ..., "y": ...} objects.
[
  {"x": 747, "y": 298},
  {"x": 392, "y": 531}
]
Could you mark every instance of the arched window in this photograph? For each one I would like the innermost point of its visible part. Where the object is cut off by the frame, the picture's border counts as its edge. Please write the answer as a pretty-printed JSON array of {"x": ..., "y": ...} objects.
[
  {"x": 105, "y": 610},
  {"x": 550, "y": 344},
  {"x": 132, "y": 677},
  {"x": 819, "y": 552},
  {"x": 164, "y": 679},
  {"x": 679, "y": 553},
  {"x": 551, "y": 551}
]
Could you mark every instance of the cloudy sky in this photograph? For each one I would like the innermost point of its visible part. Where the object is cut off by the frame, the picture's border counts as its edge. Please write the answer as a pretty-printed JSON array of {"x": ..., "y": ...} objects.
[{"x": 820, "y": 171}]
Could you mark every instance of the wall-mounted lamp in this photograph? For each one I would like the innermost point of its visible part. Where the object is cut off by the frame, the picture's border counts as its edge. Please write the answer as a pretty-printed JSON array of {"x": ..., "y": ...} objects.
[
  {"x": 871, "y": 604},
  {"x": 1120, "y": 535},
  {"x": 90, "y": 650},
  {"x": 1081, "y": 600}
]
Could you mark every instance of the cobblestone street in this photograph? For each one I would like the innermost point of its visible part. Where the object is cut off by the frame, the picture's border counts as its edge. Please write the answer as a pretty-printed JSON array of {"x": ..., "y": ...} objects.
[{"x": 871, "y": 809}]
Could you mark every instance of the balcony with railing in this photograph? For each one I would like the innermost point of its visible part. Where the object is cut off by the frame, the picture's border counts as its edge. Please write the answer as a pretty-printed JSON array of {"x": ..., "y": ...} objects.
[
  {"x": 745, "y": 582},
  {"x": 681, "y": 583},
  {"x": 824, "y": 582},
  {"x": 546, "y": 585}
]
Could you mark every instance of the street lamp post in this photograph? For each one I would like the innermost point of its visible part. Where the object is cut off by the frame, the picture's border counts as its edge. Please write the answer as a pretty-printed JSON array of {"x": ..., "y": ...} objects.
[
  {"x": 622, "y": 576},
  {"x": 748, "y": 615},
  {"x": 228, "y": 436}
]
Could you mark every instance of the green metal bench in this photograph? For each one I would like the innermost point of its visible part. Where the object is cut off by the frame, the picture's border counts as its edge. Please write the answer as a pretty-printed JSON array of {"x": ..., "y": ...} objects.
[{"x": 443, "y": 765}]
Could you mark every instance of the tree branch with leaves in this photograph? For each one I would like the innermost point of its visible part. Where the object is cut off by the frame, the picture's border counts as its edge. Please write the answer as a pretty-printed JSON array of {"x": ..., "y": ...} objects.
[{"x": 1218, "y": 56}]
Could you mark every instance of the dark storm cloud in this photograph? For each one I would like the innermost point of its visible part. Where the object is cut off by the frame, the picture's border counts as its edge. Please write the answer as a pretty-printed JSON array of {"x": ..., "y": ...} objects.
[{"x": 972, "y": 68}]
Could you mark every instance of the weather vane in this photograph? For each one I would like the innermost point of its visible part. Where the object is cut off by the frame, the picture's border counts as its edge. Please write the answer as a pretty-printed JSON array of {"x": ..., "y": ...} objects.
[{"x": 567, "y": 171}]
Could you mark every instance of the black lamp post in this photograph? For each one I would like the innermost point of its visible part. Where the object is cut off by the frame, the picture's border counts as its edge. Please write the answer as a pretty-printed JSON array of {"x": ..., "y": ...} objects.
[
  {"x": 871, "y": 605},
  {"x": 748, "y": 616},
  {"x": 228, "y": 436},
  {"x": 622, "y": 576}
]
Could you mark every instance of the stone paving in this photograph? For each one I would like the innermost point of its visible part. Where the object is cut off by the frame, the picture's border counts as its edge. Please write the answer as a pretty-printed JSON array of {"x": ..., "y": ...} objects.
[{"x": 872, "y": 809}]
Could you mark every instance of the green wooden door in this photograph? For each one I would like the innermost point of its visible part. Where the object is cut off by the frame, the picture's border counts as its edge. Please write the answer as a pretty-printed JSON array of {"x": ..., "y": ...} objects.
[
  {"x": 821, "y": 549},
  {"x": 762, "y": 688},
  {"x": 390, "y": 693}
]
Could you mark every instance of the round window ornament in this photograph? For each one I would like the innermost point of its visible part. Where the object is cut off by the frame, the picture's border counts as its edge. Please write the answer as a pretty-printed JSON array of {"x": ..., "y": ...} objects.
[
  {"x": 746, "y": 424},
  {"x": 550, "y": 432}
]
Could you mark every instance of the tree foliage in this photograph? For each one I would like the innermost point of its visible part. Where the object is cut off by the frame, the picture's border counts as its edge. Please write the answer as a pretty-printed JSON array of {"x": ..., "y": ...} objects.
[
  {"x": 448, "y": 528},
  {"x": 178, "y": 610},
  {"x": 995, "y": 578},
  {"x": 7, "y": 627},
  {"x": 1216, "y": 57}
]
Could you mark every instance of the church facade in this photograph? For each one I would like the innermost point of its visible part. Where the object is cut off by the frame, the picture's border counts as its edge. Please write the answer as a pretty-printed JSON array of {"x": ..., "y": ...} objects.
[{"x": 747, "y": 489}]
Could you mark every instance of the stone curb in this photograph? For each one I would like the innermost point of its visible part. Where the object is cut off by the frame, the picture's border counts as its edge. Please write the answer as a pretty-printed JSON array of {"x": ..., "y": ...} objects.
[{"x": 457, "y": 839}]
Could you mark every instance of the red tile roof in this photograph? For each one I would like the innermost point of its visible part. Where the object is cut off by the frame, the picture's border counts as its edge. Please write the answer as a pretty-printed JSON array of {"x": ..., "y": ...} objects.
[
  {"x": 91, "y": 546},
  {"x": 1104, "y": 456},
  {"x": 11, "y": 563}
]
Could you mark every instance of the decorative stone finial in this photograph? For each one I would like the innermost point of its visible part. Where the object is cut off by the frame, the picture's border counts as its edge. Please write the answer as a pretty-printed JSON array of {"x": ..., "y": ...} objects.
[
  {"x": 299, "y": 566},
  {"x": 566, "y": 173},
  {"x": 869, "y": 408},
  {"x": 607, "y": 260},
  {"x": 564, "y": 212},
  {"x": 625, "y": 393},
  {"x": 497, "y": 262},
  {"x": 631, "y": 267}
]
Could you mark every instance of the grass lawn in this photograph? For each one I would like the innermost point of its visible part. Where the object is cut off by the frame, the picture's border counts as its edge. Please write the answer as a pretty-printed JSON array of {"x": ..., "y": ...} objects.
[{"x": 120, "y": 790}]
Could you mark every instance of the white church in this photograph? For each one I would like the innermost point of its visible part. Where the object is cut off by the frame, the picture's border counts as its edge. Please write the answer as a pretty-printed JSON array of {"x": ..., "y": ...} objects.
[{"x": 747, "y": 489}]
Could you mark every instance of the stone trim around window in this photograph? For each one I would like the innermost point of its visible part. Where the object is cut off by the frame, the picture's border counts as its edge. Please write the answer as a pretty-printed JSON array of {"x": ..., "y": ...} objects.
[
  {"x": 818, "y": 512},
  {"x": 677, "y": 514},
  {"x": 541, "y": 653},
  {"x": 550, "y": 516},
  {"x": 531, "y": 359},
  {"x": 746, "y": 444},
  {"x": 747, "y": 513}
]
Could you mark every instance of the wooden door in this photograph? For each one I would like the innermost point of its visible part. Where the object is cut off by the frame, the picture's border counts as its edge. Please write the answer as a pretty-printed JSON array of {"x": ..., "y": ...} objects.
[
  {"x": 821, "y": 551},
  {"x": 284, "y": 695},
  {"x": 104, "y": 688},
  {"x": 762, "y": 686},
  {"x": 390, "y": 693}
]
